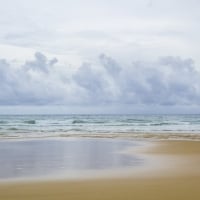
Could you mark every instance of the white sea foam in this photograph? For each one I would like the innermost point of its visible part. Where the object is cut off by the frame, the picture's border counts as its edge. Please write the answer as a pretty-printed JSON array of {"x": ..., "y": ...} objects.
[{"x": 128, "y": 126}]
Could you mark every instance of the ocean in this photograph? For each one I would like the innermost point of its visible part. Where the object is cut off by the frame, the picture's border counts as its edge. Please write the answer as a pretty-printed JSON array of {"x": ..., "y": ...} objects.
[{"x": 132, "y": 126}]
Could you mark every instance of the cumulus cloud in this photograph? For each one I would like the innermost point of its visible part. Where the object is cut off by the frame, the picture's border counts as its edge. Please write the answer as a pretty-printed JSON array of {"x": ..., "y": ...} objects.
[
  {"x": 43, "y": 81},
  {"x": 168, "y": 81},
  {"x": 99, "y": 80},
  {"x": 110, "y": 65},
  {"x": 33, "y": 83},
  {"x": 40, "y": 63}
]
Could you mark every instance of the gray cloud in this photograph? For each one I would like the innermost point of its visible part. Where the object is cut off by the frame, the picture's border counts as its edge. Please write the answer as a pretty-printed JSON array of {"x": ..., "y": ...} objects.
[
  {"x": 110, "y": 65},
  {"x": 42, "y": 81},
  {"x": 40, "y": 63},
  {"x": 169, "y": 81},
  {"x": 33, "y": 83},
  {"x": 94, "y": 83}
]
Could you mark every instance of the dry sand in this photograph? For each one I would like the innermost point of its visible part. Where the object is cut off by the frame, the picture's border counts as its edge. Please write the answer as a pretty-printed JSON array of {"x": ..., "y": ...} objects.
[{"x": 180, "y": 179}]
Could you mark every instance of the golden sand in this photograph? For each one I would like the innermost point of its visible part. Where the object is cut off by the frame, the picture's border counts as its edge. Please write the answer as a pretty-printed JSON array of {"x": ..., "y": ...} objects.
[{"x": 182, "y": 181}]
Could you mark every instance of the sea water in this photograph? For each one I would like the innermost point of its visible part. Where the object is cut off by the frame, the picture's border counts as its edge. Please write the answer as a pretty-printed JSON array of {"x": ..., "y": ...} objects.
[{"x": 138, "y": 126}]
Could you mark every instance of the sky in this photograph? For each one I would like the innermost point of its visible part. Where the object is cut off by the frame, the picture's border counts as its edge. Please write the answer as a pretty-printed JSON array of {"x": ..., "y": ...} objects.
[{"x": 92, "y": 56}]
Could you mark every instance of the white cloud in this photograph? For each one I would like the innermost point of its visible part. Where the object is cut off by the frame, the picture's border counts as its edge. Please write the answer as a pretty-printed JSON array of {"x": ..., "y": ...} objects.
[
  {"x": 167, "y": 81},
  {"x": 72, "y": 33},
  {"x": 118, "y": 28}
]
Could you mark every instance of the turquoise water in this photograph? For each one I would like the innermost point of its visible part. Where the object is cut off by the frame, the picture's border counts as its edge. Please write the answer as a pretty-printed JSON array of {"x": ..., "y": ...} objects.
[{"x": 31, "y": 126}]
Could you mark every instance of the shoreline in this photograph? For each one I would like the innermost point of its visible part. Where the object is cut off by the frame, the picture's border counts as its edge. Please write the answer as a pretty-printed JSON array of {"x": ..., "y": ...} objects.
[
  {"x": 152, "y": 136},
  {"x": 180, "y": 179}
]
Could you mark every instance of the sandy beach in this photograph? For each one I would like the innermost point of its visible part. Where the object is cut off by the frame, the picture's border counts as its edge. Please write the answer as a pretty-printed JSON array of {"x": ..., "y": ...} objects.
[
  {"x": 179, "y": 179},
  {"x": 99, "y": 100}
]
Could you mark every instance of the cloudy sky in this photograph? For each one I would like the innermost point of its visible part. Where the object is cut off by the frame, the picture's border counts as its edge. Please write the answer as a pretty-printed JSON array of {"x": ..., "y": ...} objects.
[{"x": 92, "y": 56}]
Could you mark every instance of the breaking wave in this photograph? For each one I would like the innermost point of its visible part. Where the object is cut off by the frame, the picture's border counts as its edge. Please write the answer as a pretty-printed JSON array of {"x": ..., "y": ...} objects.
[
  {"x": 30, "y": 122},
  {"x": 134, "y": 126}
]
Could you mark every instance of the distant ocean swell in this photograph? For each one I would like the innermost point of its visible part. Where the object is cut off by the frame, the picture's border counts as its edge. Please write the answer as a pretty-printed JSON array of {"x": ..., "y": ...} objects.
[{"x": 132, "y": 126}]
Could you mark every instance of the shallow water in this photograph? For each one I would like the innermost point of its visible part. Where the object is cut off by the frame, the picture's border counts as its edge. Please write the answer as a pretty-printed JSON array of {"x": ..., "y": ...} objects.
[{"x": 35, "y": 158}]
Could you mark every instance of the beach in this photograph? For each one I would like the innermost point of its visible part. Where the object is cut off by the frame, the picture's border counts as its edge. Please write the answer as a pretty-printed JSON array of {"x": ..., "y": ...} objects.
[
  {"x": 99, "y": 100},
  {"x": 177, "y": 178}
]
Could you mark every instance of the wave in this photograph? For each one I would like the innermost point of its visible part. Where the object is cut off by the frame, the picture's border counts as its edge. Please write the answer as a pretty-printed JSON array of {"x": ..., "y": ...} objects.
[
  {"x": 93, "y": 134},
  {"x": 75, "y": 130},
  {"x": 3, "y": 122},
  {"x": 13, "y": 129},
  {"x": 77, "y": 121},
  {"x": 194, "y": 123},
  {"x": 135, "y": 121},
  {"x": 138, "y": 135},
  {"x": 30, "y": 122},
  {"x": 163, "y": 123},
  {"x": 112, "y": 122}
]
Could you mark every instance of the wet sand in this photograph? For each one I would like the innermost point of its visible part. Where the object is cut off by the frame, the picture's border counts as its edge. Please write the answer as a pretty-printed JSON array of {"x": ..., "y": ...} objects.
[
  {"x": 177, "y": 177},
  {"x": 66, "y": 158}
]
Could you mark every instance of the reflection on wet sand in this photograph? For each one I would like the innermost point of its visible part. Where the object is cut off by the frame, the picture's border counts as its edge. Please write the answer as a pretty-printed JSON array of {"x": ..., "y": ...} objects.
[{"x": 30, "y": 158}]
